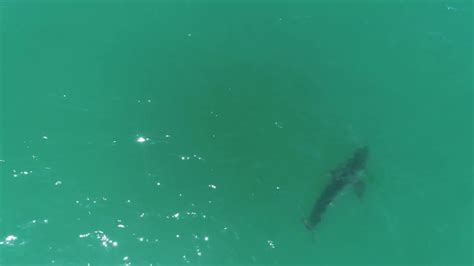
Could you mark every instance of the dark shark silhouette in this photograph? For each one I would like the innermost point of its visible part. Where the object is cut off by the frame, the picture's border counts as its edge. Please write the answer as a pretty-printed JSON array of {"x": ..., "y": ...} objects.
[{"x": 347, "y": 173}]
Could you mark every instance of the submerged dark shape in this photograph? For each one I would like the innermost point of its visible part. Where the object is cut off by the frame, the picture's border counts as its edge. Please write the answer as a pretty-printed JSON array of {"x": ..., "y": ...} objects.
[{"x": 346, "y": 173}]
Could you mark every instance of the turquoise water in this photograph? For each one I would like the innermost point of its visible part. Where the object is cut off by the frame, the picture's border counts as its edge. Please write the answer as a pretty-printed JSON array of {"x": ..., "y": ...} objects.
[{"x": 202, "y": 132}]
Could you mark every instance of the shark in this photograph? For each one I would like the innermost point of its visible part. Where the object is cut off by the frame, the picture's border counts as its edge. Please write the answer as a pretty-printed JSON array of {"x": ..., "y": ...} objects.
[{"x": 347, "y": 173}]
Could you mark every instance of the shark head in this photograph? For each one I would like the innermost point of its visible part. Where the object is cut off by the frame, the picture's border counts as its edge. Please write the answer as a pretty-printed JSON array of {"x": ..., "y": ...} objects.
[
  {"x": 358, "y": 162},
  {"x": 359, "y": 159}
]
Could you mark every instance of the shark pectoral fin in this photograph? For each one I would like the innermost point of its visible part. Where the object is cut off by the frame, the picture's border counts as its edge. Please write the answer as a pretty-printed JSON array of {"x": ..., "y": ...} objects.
[
  {"x": 368, "y": 177},
  {"x": 359, "y": 188}
]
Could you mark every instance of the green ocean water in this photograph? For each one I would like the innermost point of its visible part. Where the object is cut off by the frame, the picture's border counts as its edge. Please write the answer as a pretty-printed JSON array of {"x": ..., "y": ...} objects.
[{"x": 169, "y": 133}]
